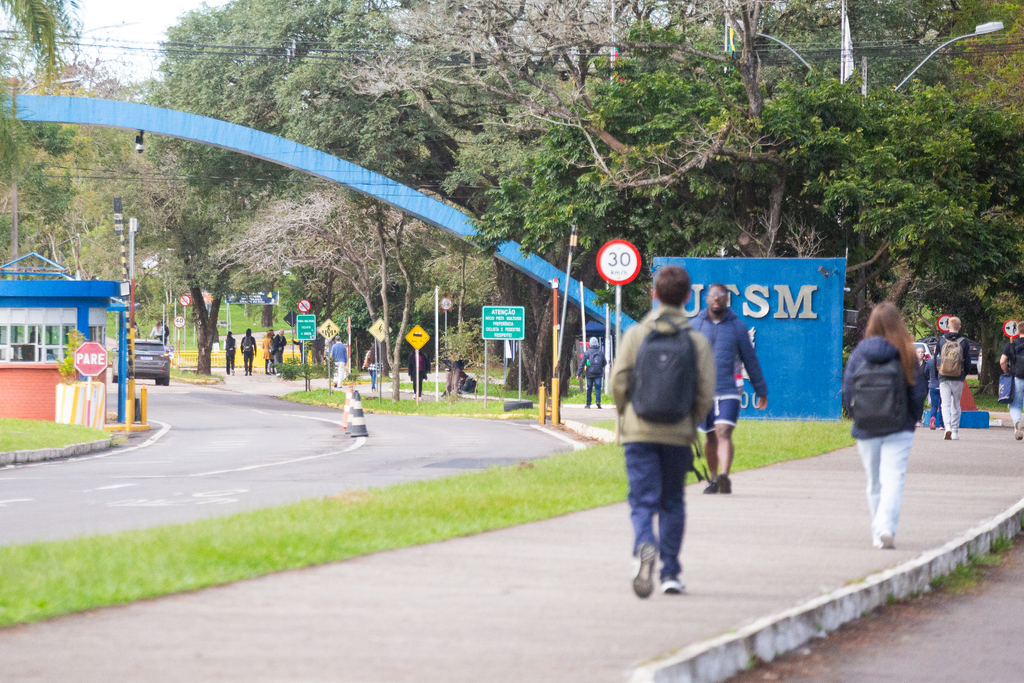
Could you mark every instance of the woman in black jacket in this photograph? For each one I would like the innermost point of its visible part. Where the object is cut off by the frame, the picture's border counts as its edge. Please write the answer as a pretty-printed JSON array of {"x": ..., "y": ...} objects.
[{"x": 884, "y": 390}]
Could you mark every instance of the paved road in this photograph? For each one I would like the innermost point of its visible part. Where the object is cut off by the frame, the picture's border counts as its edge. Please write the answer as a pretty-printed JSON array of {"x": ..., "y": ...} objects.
[
  {"x": 227, "y": 452},
  {"x": 543, "y": 602},
  {"x": 959, "y": 638}
]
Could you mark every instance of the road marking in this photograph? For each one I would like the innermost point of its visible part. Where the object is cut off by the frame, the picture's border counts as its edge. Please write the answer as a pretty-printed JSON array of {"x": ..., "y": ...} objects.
[
  {"x": 359, "y": 442},
  {"x": 205, "y": 498},
  {"x": 304, "y": 417},
  {"x": 576, "y": 445},
  {"x": 3, "y": 503},
  {"x": 108, "y": 488}
]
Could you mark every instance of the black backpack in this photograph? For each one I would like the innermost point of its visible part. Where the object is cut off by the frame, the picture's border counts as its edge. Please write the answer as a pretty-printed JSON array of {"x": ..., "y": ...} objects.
[
  {"x": 879, "y": 404},
  {"x": 248, "y": 344},
  {"x": 664, "y": 380},
  {"x": 1017, "y": 359}
]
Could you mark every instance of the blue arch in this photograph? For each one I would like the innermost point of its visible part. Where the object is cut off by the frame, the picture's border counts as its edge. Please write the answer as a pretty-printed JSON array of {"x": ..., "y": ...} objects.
[{"x": 230, "y": 136}]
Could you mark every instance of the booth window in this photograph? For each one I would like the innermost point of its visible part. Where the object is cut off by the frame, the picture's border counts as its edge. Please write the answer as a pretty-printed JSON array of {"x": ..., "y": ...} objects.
[{"x": 33, "y": 343}]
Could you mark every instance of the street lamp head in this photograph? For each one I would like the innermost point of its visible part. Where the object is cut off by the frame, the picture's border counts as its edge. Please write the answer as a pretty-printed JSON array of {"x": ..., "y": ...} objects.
[{"x": 988, "y": 27}]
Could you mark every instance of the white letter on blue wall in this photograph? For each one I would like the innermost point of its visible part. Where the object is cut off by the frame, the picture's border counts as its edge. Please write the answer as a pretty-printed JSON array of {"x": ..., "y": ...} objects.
[
  {"x": 804, "y": 304},
  {"x": 756, "y": 294}
]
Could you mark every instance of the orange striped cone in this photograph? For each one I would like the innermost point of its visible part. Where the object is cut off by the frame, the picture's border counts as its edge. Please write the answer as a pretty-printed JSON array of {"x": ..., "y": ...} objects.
[
  {"x": 348, "y": 406},
  {"x": 358, "y": 421}
]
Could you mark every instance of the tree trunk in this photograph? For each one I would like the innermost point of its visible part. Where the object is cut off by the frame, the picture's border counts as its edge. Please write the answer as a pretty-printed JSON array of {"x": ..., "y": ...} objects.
[
  {"x": 462, "y": 287},
  {"x": 382, "y": 243},
  {"x": 267, "y": 318},
  {"x": 206, "y": 327}
]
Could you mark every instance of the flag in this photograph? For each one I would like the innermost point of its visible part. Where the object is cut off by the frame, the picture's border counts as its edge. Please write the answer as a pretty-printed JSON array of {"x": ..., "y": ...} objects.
[{"x": 846, "y": 50}]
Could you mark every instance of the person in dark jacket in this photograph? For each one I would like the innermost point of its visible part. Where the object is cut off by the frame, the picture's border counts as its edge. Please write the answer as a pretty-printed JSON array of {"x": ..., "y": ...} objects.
[
  {"x": 229, "y": 354},
  {"x": 248, "y": 349},
  {"x": 593, "y": 365},
  {"x": 278, "y": 347},
  {"x": 885, "y": 455},
  {"x": 931, "y": 373},
  {"x": 424, "y": 370},
  {"x": 951, "y": 387},
  {"x": 734, "y": 351}
]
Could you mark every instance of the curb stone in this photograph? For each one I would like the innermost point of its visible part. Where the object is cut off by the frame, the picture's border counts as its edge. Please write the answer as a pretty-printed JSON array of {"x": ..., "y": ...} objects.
[
  {"x": 39, "y": 455},
  {"x": 720, "y": 658},
  {"x": 596, "y": 433}
]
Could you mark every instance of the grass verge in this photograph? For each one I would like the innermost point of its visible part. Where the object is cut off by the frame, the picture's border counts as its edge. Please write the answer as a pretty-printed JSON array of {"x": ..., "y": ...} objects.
[
  {"x": 29, "y": 435},
  {"x": 42, "y": 580},
  {"x": 966, "y": 576},
  {"x": 192, "y": 377},
  {"x": 428, "y": 406}
]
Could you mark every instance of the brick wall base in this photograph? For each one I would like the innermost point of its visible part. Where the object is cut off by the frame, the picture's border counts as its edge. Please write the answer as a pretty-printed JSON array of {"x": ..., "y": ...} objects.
[{"x": 29, "y": 392}]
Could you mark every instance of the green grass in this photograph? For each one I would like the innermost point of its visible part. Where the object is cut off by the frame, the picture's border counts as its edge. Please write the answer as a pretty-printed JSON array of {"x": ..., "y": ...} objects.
[
  {"x": 186, "y": 375},
  {"x": 28, "y": 435},
  {"x": 966, "y": 576},
  {"x": 427, "y": 406},
  {"x": 759, "y": 443},
  {"x": 986, "y": 402},
  {"x": 42, "y": 580}
]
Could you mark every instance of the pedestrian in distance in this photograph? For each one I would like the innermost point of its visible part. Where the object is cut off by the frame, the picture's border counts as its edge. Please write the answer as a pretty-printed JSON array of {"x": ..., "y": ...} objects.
[
  {"x": 158, "y": 331},
  {"x": 248, "y": 348},
  {"x": 730, "y": 339},
  {"x": 954, "y": 359},
  {"x": 663, "y": 383},
  {"x": 318, "y": 348},
  {"x": 593, "y": 366},
  {"x": 1012, "y": 363},
  {"x": 931, "y": 373},
  {"x": 884, "y": 390},
  {"x": 921, "y": 366},
  {"x": 370, "y": 363},
  {"x": 424, "y": 368},
  {"x": 268, "y": 353},
  {"x": 229, "y": 354},
  {"x": 277, "y": 348},
  {"x": 339, "y": 354}
]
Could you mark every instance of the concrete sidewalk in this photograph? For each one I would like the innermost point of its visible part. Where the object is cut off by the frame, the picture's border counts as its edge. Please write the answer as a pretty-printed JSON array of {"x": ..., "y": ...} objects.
[{"x": 549, "y": 601}]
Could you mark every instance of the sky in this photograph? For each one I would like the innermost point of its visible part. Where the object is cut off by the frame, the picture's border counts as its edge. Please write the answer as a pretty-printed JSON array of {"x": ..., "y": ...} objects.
[{"x": 131, "y": 20}]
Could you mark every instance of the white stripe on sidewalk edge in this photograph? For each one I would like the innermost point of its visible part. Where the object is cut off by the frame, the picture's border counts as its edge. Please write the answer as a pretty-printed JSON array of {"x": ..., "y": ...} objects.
[
  {"x": 114, "y": 450},
  {"x": 717, "y": 659},
  {"x": 576, "y": 445}
]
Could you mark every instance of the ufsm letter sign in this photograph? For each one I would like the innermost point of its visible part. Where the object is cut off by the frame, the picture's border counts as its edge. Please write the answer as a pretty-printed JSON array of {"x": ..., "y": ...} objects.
[{"x": 794, "y": 310}]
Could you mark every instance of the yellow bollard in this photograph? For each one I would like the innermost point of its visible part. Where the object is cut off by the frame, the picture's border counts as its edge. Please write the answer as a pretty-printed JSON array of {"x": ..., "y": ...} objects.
[
  {"x": 129, "y": 417},
  {"x": 142, "y": 407},
  {"x": 555, "y": 413},
  {"x": 542, "y": 402}
]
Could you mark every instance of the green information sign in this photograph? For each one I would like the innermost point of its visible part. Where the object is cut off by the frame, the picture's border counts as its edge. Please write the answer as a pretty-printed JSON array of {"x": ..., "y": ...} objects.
[
  {"x": 503, "y": 322},
  {"x": 306, "y": 327}
]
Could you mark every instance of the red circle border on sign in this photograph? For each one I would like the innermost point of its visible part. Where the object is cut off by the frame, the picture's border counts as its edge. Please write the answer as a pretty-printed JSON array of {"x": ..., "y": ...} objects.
[
  {"x": 636, "y": 253},
  {"x": 1004, "y": 328},
  {"x": 944, "y": 315}
]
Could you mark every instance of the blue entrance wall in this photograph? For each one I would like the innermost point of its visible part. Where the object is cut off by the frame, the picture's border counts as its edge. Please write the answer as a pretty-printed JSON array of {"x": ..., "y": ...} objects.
[
  {"x": 795, "y": 309},
  {"x": 254, "y": 143}
]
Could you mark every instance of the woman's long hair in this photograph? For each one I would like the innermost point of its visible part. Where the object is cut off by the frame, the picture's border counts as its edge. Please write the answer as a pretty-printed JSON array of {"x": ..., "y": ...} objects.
[{"x": 887, "y": 323}]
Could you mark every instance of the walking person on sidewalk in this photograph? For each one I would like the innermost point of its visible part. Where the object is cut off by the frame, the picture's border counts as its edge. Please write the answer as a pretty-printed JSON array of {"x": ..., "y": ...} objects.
[
  {"x": 229, "y": 354},
  {"x": 277, "y": 348},
  {"x": 339, "y": 354},
  {"x": 884, "y": 390},
  {"x": 370, "y": 363},
  {"x": 954, "y": 359},
  {"x": 733, "y": 350},
  {"x": 663, "y": 383},
  {"x": 931, "y": 373},
  {"x": 248, "y": 348},
  {"x": 268, "y": 353},
  {"x": 593, "y": 365},
  {"x": 1012, "y": 363}
]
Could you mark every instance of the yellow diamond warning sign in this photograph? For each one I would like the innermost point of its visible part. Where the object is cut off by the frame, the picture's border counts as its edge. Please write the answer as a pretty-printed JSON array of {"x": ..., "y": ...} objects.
[
  {"x": 329, "y": 329},
  {"x": 418, "y": 337}
]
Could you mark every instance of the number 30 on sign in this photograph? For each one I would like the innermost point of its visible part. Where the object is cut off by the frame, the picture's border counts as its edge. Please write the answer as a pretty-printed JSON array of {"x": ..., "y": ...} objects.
[{"x": 618, "y": 262}]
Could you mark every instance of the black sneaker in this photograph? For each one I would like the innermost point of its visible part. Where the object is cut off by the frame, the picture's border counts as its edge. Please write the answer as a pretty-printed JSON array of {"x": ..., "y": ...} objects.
[
  {"x": 712, "y": 486},
  {"x": 724, "y": 485},
  {"x": 643, "y": 578}
]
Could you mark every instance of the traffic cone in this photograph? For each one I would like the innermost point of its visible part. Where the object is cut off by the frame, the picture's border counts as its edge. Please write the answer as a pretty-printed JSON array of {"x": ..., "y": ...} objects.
[
  {"x": 348, "y": 406},
  {"x": 358, "y": 421}
]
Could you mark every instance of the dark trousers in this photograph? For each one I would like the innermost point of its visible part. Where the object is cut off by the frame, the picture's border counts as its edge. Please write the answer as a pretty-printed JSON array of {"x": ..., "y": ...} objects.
[
  {"x": 592, "y": 384},
  {"x": 247, "y": 362},
  {"x": 657, "y": 473},
  {"x": 936, "y": 409},
  {"x": 229, "y": 361}
]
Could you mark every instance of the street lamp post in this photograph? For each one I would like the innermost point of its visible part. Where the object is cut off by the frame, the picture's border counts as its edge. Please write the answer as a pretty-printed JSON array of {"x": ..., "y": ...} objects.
[
  {"x": 979, "y": 30},
  {"x": 795, "y": 53}
]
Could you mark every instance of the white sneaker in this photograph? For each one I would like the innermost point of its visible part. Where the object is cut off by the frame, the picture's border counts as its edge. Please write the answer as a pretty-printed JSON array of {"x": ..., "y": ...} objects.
[
  {"x": 887, "y": 541},
  {"x": 956, "y": 435},
  {"x": 672, "y": 587}
]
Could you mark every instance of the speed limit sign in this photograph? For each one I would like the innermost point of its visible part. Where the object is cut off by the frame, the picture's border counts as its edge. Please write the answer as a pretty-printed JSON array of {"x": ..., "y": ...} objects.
[
  {"x": 179, "y": 321},
  {"x": 184, "y": 299},
  {"x": 618, "y": 262},
  {"x": 1011, "y": 328},
  {"x": 446, "y": 304}
]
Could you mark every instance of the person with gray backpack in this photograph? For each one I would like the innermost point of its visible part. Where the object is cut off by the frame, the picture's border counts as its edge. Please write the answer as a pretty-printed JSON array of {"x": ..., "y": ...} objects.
[
  {"x": 954, "y": 357},
  {"x": 592, "y": 364},
  {"x": 884, "y": 388},
  {"x": 663, "y": 384}
]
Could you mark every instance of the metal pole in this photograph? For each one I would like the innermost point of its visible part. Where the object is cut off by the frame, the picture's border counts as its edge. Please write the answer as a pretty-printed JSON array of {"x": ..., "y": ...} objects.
[
  {"x": 519, "y": 352},
  {"x": 555, "y": 389},
  {"x": 988, "y": 28},
  {"x": 14, "y": 176},
  {"x": 416, "y": 387},
  {"x": 609, "y": 356},
  {"x": 568, "y": 278},
  {"x": 797, "y": 54},
  {"x": 618, "y": 334},
  {"x": 485, "y": 374},
  {"x": 864, "y": 75},
  {"x": 437, "y": 355}
]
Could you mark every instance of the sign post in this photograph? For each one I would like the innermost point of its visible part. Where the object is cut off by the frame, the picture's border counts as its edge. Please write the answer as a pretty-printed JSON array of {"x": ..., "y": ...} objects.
[
  {"x": 437, "y": 350},
  {"x": 378, "y": 331},
  {"x": 618, "y": 262},
  {"x": 417, "y": 338},
  {"x": 90, "y": 360},
  {"x": 505, "y": 323}
]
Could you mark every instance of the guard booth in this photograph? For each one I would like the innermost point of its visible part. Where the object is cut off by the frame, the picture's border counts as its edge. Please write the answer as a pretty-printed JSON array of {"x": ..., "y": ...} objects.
[{"x": 38, "y": 310}]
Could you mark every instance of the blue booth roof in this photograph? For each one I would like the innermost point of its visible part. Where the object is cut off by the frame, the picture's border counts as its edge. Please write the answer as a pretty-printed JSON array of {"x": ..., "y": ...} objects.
[{"x": 57, "y": 293}]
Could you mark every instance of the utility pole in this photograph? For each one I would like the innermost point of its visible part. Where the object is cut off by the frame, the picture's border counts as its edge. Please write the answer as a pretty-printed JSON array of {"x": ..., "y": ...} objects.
[{"x": 14, "y": 174}]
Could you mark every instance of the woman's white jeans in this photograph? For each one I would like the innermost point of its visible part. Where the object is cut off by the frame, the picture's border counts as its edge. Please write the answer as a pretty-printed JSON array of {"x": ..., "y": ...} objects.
[
  {"x": 1018, "y": 399},
  {"x": 885, "y": 463}
]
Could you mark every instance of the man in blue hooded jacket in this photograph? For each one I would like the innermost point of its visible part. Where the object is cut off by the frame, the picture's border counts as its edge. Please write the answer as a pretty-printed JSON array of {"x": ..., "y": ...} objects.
[{"x": 730, "y": 341}]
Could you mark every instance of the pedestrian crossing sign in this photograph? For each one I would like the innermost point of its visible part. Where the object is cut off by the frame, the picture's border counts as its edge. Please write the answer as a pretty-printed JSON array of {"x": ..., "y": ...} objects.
[
  {"x": 418, "y": 337},
  {"x": 329, "y": 329}
]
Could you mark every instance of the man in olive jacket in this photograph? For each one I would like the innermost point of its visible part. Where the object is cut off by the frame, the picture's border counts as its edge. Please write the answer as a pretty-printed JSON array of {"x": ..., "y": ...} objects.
[{"x": 658, "y": 456}]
